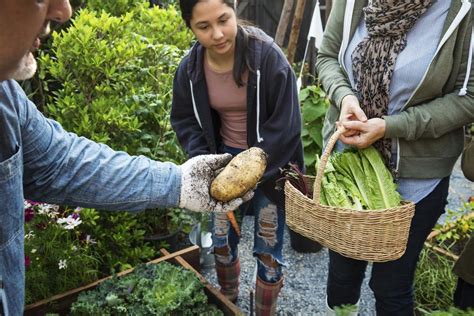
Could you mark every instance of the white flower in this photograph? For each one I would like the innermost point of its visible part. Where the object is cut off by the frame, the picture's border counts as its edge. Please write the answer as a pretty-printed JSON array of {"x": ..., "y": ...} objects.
[
  {"x": 29, "y": 235},
  {"x": 26, "y": 204},
  {"x": 62, "y": 264},
  {"x": 69, "y": 222},
  {"x": 89, "y": 240},
  {"x": 74, "y": 248},
  {"x": 48, "y": 209},
  {"x": 33, "y": 250}
]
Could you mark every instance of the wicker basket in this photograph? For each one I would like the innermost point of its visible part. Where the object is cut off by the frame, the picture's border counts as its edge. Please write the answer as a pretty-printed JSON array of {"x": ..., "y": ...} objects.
[{"x": 370, "y": 235}]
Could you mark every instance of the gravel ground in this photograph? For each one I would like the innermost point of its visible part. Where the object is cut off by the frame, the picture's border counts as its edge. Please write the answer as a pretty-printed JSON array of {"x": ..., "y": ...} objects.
[{"x": 305, "y": 277}]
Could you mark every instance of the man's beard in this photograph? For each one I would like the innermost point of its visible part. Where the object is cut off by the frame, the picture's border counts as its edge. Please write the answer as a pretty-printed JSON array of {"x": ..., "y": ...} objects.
[{"x": 27, "y": 68}]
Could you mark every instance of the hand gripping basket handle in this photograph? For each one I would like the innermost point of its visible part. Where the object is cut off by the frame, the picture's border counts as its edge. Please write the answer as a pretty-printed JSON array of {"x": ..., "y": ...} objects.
[{"x": 322, "y": 163}]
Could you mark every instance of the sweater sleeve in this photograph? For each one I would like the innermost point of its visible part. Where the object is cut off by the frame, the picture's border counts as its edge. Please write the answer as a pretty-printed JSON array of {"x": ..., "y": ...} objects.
[
  {"x": 330, "y": 72},
  {"x": 63, "y": 168},
  {"x": 439, "y": 116}
]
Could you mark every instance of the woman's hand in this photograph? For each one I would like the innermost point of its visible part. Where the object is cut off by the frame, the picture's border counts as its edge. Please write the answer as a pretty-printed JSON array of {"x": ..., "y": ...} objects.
[
  {"x": 364, "y": 134},
  {"x": 351, "y": 111}
]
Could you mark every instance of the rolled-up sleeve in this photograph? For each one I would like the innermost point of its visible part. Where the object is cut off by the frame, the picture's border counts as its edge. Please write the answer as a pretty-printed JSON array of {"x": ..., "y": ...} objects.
[{"x": 63, "y": 168}]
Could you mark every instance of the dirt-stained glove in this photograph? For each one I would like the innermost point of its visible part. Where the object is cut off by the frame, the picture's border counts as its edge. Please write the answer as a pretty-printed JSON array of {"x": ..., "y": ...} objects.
[{"x": 196, "y": 176}]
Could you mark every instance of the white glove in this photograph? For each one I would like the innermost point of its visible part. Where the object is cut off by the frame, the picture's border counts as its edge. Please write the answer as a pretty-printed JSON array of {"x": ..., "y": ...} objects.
[{"x": 196, "y": 176}]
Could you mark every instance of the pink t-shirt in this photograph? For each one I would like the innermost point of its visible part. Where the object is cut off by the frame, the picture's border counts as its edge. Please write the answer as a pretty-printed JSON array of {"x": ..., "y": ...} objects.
[{"x": 230, "y": 101}]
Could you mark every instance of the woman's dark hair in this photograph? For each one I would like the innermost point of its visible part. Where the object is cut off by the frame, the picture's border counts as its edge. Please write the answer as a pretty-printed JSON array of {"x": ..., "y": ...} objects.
[{"x": 241, "y": 57}]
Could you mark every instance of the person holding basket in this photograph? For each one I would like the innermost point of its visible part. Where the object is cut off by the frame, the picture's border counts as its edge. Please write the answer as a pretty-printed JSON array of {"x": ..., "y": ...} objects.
[{"x": 399, "y": 76}]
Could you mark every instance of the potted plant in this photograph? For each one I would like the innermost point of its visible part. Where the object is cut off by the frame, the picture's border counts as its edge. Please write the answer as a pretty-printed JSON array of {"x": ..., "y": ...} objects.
[{"x": 165, "y": 228}]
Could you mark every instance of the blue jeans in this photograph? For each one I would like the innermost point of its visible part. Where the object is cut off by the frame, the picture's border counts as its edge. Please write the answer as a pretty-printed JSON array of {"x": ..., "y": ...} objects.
[
  {"x": 391, "y": 282},
  {"x": 268, "y": 232}
]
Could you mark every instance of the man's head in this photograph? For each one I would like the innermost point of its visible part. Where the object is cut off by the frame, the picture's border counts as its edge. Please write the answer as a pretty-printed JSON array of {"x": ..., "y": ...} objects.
[{"x": 22, "y": 24}]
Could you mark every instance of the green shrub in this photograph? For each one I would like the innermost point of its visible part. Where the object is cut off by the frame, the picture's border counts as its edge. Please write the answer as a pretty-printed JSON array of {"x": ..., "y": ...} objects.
[
  {"x": 110, "y": 79},
  {"x": 114, "y": 7},
  {"x": 314, "y": 106},
  {"x": 434, "y": 282},
  {"x": 118, "y": 240},
  {"x": 55, "y": 245},
  {"x": 457, "y": 229}
]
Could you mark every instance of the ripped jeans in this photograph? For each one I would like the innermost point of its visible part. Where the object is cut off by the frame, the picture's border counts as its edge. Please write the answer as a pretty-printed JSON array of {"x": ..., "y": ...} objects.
[{"x": 268, "y": 233}]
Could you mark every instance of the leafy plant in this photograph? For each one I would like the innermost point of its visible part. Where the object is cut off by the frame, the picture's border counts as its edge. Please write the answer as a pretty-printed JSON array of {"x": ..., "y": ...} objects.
[
  {"x": 346, "y": 310},
  {"x": 314, "y": 105},
  {"x": 153, "y": 289},
  {"x": 110, "y": 79},
  {"x": 434, "y": 282},
  {"x": 358, "y": 179},
  {"x": 166, "y": 228},
  {"x": 56, "y": 245},
  {"x": 119, "y": 240},
  {"x": 114, "y": 7},
  {"x": 296, "y": 177},
  {"x": 452, "y": 311},
  {"x": 457, "y": 230},
  {"x": 155, "y": 220}
]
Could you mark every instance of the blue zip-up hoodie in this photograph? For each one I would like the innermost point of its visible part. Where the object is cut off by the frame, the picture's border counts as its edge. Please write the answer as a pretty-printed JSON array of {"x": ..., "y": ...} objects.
[{"x": 273, "y": 112}]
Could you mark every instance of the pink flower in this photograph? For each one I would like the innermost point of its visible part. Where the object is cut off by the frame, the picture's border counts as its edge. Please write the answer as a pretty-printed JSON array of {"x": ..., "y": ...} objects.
[
  {"x": 27, "y": 261},
  {"x": 29, "y": 214}
]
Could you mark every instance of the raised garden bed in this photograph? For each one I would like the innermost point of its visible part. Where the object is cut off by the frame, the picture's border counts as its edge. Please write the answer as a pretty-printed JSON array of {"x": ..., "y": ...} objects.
[{"x": 187, "y": 258}]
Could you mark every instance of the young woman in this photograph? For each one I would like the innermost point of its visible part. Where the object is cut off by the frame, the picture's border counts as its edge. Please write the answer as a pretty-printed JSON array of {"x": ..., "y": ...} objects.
[
  {"x": 399, "y": 74},
  {"x": 235, "y": 90}
]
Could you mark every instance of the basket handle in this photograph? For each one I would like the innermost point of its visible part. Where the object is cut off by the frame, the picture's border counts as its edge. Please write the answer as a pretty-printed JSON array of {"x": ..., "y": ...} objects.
[{"x": 322, "y": 163}]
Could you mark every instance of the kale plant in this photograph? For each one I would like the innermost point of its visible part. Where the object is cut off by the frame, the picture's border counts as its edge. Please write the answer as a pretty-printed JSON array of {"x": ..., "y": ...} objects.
[{"x": 153, "y": 289}]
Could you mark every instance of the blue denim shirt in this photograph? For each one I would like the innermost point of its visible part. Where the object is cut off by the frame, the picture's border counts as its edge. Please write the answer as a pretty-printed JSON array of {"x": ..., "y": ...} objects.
[{"x": 40, "y": 161}]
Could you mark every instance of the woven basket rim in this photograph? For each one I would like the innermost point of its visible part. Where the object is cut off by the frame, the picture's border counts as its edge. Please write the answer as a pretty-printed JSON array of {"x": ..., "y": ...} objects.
[{"x": 403, "y": 204}]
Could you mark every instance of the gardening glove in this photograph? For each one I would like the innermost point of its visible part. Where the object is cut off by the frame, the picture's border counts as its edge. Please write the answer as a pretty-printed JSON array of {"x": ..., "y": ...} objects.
[{"x": 196, "y": 177}]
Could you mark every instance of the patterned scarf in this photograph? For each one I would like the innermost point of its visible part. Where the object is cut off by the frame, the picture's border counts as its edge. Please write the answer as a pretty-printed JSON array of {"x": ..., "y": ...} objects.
[{"x": 388, "y": 22}]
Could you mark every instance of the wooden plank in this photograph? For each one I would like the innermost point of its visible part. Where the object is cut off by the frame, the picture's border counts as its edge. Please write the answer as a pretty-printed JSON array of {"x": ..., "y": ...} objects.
[
  {"x": 436, "y": 232},
  {"x": 430, "y": 243},
  {"x": 60, "y": 303},
  {"x": 295, "y": 30},
  {"x": 215, "y": 297},
  {"x": 442, "y": 251},
  {"x": 284, "y": 22}
]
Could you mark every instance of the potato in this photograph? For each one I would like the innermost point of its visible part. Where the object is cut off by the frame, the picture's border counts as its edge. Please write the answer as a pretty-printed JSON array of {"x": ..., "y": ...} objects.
[{"x": 240, "y": 175}]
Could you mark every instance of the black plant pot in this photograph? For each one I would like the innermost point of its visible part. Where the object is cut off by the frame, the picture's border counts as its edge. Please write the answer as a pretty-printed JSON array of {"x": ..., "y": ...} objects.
[
  {"x": 303, "y": 244},
  {"x": 171, "y": 239}
]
